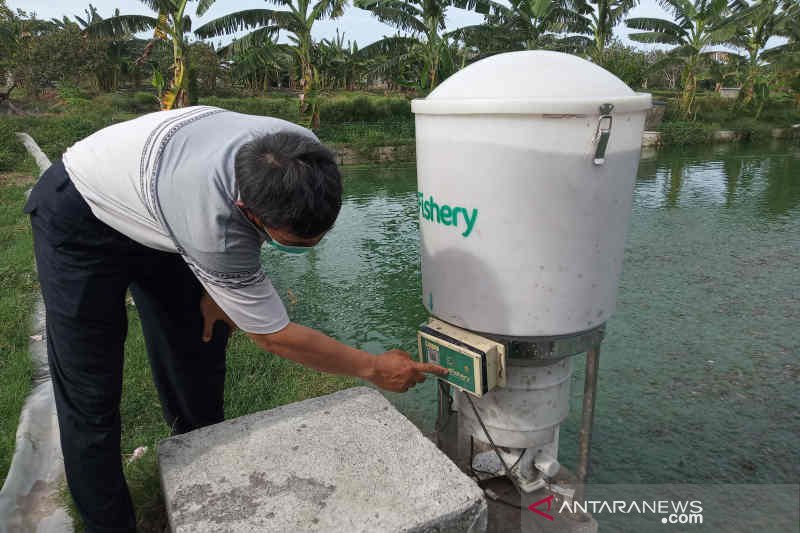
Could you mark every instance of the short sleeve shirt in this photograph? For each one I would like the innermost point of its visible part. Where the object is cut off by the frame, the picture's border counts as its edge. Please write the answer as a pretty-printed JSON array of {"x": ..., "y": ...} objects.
[{"x": 166, "y": 180}]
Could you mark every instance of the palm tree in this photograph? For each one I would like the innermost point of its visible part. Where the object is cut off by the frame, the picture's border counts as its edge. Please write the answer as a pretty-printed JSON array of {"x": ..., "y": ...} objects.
[
  {"x": 171, "y": 24},
  {"x": 758, "y": 23},
  {"x": 297, "y": 19},
  {"x": 423, "y": 20},
  {"x": 698, "y": 25},
  {"x": 527, "y": 25}
]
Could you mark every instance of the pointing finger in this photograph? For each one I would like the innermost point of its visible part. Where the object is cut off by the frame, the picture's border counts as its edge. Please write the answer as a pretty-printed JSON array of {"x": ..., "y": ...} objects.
[{"x": 432, "y": 368}]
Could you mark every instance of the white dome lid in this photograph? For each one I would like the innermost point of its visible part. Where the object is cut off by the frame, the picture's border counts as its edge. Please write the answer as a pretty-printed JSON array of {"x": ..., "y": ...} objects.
[{"x": 531, "y": 82}]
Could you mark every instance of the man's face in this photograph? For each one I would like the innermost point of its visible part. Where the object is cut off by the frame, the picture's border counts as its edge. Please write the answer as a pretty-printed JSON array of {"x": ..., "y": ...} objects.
[
  {"x": 288, "y": 242},
  {"x": 282, "y": 238}
]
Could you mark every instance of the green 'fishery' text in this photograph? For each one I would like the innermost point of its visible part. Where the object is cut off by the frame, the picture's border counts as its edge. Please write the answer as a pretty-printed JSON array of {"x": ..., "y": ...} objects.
[{"x": 447, "y": 215}]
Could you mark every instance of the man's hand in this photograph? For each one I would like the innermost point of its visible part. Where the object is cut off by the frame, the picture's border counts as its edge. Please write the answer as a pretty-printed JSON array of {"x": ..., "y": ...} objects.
[
  {"x": 395, "y": 371},
  {"x": 211, "y": 313}
]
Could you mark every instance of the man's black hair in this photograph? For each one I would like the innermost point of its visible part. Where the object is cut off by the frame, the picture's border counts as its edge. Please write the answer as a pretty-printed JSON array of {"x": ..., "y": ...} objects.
[{"x": 290, "y": 181}]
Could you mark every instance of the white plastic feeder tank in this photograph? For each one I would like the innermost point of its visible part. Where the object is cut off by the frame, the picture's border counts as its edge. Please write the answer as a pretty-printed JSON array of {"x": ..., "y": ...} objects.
[{"x": 526, "y": 163}]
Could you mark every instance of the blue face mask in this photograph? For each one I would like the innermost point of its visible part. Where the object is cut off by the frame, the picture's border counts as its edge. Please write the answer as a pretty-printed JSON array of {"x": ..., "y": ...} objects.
[{"x": 285, "y": 247}]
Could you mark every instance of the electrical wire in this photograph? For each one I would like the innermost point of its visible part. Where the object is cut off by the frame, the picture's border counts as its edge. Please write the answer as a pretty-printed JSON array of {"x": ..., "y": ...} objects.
[
  {"x": 444, "y": 391},
  {"x": 473, "y": 469},
  {"x": 444, "y": 411}
]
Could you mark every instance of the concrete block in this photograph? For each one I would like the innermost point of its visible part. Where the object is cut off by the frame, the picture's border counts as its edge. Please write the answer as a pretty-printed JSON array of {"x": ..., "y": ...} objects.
[{"x": 348, "y": 461}]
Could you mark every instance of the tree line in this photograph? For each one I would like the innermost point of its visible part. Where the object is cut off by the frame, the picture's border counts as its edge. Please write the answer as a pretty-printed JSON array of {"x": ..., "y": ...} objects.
[{"x": 181, "y": 61}]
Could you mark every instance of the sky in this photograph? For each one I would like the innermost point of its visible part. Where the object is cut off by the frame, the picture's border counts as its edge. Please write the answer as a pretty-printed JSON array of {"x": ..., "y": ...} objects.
[{"x": 356, "y": 24}]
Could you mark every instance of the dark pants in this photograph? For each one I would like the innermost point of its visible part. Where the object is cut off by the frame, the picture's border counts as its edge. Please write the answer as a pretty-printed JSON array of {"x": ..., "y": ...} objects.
[{"x": 85, "y": 268}]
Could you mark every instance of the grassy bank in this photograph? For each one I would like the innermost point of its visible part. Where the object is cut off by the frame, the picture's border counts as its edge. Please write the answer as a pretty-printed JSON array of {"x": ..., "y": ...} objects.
[
  {"x": 713, "y": 113},
  {"x": 17, "y": 290},
  {"x": 362, "y": 123}
]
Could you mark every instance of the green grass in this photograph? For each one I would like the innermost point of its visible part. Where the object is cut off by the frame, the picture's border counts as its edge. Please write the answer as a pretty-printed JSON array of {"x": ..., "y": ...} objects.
[
  {"x": 17, "y": 289},
  {"x": 54, "y": 133}
]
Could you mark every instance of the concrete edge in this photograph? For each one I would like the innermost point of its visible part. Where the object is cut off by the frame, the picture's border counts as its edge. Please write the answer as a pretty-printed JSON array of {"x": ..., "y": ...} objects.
[
  {"x": 406, "y": 153},
  {"x": 164, "y": 445}
]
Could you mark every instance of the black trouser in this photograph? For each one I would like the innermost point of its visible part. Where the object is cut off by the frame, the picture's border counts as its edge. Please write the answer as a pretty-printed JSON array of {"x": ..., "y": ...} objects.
[{"x": 85, "y": 268}]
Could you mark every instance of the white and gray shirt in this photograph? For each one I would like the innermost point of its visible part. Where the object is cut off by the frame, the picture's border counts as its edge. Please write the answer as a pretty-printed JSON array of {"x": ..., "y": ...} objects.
[{"x": 166, "y": 180}]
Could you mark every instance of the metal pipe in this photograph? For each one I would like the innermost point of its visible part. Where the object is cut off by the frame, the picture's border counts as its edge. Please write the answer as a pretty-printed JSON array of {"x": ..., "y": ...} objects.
[{"x": 587, "y": 421}]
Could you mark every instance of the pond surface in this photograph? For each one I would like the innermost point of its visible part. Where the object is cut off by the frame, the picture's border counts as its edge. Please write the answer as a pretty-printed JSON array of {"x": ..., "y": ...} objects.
[{"x": 699, "y": 371}]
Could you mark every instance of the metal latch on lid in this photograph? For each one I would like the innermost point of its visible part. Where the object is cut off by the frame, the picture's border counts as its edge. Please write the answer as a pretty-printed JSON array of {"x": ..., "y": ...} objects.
[{"x": 603, "y": 133}]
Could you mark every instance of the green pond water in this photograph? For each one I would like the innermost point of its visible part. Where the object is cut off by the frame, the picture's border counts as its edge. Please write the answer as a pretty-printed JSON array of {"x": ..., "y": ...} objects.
[{"x": 699, "y": 371}]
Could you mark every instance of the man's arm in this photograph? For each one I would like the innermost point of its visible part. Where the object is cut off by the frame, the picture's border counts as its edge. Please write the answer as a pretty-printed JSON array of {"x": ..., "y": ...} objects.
[{"x": 393, "y": 370}]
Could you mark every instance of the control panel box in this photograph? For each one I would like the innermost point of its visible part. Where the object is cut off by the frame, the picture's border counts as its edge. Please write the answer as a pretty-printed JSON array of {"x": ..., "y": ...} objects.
[{"x": 476, "y": 364}]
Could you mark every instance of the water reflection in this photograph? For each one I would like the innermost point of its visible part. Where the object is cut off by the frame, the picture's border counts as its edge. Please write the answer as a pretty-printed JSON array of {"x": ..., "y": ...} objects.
[{"x": 726, "y": 175}]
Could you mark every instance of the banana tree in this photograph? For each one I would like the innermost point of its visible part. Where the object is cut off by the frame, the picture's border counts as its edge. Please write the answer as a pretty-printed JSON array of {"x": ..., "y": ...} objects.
[
  {"x": 698, "y": 24},
  {"x": 786, "y": 57},
  {"x": 527, "y": 25},
  {"x": 171, "y": 24},
  {"x": 422, "y": 22},
  {"x": 120, "y": 50},
  {"x": 337, "y": 62},
  {"x": 297, "y": 19},
  {"x": 602, "y": 16},
  {"x": 758, "y": 23},
  {"x": 258, "y": 58}
]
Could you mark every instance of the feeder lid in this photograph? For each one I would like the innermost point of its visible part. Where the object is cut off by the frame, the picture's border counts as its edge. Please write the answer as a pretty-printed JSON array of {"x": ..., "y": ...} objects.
[{"x": 531, "y": 82}]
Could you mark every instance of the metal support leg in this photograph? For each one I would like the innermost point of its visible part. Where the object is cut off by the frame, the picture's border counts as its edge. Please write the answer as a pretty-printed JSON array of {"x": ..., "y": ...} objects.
[{"x": 589, "y": 395}]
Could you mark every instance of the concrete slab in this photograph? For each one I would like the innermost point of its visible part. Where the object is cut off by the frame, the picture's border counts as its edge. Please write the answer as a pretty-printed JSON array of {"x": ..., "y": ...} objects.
[{"x": 348, "y": 461}]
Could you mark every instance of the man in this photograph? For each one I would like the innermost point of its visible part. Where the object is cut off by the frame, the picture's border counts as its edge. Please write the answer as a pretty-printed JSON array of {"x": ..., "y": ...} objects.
[{"x": 175, "y": 206}]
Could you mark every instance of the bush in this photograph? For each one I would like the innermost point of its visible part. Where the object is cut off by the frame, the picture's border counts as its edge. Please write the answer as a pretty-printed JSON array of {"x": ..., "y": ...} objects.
[
  {"x": 782, "y": 112},
  {"x": 139, "y": 102},
  {"x": 332, "y": 109},
  {"x": 627, "y": 63},
  {"x": 285, "y": 107},
  {"x": 684, "y": 132},
  {"x": 364, "y": 108},
  {"x": 368, "y": 134},
  {"x": 755, "y": 129},
  {"x": 714, "y": 108}
]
